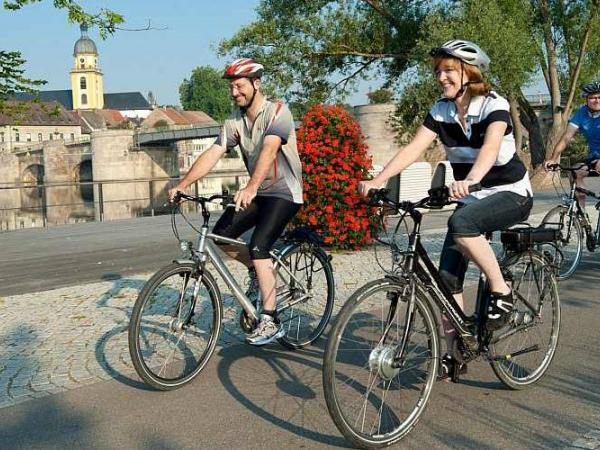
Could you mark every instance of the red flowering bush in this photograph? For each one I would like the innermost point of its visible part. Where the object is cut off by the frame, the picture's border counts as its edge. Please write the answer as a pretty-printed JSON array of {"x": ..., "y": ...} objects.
[{"x": 334, "y": 160}]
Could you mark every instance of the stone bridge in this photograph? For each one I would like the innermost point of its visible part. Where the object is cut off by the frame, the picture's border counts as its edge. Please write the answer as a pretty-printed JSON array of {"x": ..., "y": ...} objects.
[
  {"x": 126, "y": 173},
  {"x": 109, "y": 177}
]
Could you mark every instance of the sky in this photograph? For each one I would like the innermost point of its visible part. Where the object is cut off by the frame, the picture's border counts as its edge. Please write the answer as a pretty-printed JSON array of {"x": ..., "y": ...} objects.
[{"x": 154, "y": 60}]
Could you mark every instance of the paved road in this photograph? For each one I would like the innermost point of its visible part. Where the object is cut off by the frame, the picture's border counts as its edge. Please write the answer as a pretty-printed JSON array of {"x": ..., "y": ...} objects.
[
  {"x": 66, "y": 378},
  {"x": 37, "y": 259},
  {"x": 256, "y": 398}
]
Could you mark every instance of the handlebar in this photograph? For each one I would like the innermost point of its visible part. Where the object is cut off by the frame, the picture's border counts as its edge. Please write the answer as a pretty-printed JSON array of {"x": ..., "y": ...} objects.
[
  {"x": 556, "y": 167},
  {"x": 227, "y": 198},
  {"x": 437, "y": 199}
]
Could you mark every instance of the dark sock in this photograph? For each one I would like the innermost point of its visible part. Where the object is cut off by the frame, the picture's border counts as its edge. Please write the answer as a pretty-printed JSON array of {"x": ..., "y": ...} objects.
[{"x": 272, "y": 313}]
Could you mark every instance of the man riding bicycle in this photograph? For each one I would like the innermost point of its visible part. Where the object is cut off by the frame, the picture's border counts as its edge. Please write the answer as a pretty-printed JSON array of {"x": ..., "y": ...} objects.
[
  {"x": 474, "y": 125},
  {"x": 264, "y": 131},
  {"x": 587, "y": 121}
]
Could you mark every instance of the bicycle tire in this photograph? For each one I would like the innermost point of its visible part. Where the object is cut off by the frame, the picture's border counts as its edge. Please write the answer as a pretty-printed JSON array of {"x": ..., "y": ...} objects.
[
  {"x": 156, "y": 320},
  {"x": 570, "y": 244},
  {"x": 535, "y": 321},
  {"x": 306, "y": 320},
  {"x": 344, "y": 354}
]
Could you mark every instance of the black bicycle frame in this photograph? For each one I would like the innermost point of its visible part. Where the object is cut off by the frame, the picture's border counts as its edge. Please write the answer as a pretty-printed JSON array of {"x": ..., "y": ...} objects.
[{"x": 418, "y": 264}]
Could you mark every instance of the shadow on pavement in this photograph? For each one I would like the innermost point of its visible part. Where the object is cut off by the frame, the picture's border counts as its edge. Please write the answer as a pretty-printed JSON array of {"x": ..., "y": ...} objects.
[
  {"x": 298, "y": 394},
  {"x": 117, "y": 367},
  {"x": 38, "y": 425}
]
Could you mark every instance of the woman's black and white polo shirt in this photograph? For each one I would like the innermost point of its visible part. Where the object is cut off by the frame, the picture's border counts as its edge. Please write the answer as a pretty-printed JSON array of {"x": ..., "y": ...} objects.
[{"x": 463, "y": 144}]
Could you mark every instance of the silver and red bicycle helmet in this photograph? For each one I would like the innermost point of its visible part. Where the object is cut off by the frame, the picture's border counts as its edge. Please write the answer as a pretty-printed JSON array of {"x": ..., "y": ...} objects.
[{"x": 243, "y": 68}]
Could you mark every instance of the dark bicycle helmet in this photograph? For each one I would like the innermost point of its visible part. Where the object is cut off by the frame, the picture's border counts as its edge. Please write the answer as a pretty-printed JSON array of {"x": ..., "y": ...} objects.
[
  {"x": 591, "y": 88},
  {"x": 467, "y": 51}
]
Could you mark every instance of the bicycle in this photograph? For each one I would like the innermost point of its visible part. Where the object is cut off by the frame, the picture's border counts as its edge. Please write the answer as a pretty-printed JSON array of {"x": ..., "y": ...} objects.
[
  {"x": 383, "y": 353},
  {"x": 572, "y": 222},
  {"x": 176, "y": 320}
]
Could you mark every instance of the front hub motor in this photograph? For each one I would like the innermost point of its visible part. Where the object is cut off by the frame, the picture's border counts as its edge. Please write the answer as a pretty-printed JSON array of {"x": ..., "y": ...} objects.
[{"x": 381, "y": 362}]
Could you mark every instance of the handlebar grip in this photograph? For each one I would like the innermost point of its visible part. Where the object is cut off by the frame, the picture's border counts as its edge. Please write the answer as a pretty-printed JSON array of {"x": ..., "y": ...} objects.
[{"x": 475, "y": 187}]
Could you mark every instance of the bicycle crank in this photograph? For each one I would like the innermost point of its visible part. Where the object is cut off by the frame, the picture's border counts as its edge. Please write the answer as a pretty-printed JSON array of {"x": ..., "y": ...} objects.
[{"x": 533, "y": 348}]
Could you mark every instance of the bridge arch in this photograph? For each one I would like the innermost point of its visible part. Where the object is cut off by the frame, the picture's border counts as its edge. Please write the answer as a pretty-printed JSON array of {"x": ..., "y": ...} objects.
[
  {"x": 33, "y": 176},
  {"x": 83, "y": 176}
]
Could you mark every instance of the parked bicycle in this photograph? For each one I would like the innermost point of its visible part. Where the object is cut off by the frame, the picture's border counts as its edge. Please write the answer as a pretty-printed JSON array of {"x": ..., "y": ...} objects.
[
  {"x": 383, "y": 353},
  {"x": 176, "y": 319},
  {"x": 574, "y": 225}
]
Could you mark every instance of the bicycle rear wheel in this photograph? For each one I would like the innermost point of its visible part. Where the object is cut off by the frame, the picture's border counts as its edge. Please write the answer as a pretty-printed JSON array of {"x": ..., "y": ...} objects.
[
  {"x": 522, "y": 351},
  {"x": 169, "y": 342},
  {"x": 568, "y": 250},
  {"x": 305, "y": 301},
  {"x": 373, "y": 403}
]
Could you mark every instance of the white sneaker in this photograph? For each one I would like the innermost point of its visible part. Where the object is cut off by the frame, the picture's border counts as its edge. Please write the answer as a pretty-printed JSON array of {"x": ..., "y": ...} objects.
[{"x": 266, "y": 331}]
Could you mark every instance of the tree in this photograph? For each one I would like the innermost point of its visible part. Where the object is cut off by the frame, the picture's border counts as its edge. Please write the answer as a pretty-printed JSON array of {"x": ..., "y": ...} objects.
[
  {"x": 380, "y": 96},
  {"x": 12, "y": 78},
  {"x": 316, "y": 50},
  {"x": 206, "y": 91}
]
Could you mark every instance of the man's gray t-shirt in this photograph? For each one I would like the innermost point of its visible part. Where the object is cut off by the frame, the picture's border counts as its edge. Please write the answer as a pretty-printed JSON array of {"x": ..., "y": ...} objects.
[{"x": 284, "y": 179}]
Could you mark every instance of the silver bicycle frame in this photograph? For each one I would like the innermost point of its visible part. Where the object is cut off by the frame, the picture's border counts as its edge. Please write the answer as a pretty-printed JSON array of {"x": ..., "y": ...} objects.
[{"x": 207, "y": 249}]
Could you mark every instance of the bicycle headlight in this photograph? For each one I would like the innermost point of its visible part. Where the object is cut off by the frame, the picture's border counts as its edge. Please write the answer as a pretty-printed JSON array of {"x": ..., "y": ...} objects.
[{"x": 185, "y": 246}]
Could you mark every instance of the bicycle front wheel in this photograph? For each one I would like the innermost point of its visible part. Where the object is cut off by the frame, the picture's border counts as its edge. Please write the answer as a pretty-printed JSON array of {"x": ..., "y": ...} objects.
[
  {"x": 374, "y": 402},
  {"x": 175, "y": 325},
  {"x": 566, "y": 254},
  {"x": 522, "y": 351},
  {"x": 305, "y": 294}
]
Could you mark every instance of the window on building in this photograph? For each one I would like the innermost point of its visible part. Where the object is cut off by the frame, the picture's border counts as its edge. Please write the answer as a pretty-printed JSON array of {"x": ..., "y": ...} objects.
[
  {"x": 40, "y": 139},
  {"x": 84, "y": 99},
  {"x": 51, "y": 136},
  {"x": 17, "y": 137},
  {"x": 82, "y": 83},
  {"x": 2, "y": 136},
  {"x": 62, "y": 136},
  {"x": 72, "y": 136},
  {"x": 28, "y": 137}
]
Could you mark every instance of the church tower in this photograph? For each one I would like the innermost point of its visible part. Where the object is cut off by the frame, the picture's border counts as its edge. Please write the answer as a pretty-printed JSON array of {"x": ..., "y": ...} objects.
[{"x": 86, "y": 78}]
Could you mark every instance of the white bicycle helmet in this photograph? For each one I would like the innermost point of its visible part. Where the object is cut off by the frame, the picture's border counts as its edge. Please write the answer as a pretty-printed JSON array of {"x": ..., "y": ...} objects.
[{"x": 467, "y": 51}]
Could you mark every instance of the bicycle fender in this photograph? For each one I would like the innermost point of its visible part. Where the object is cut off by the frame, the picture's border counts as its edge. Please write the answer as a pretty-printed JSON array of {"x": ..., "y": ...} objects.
[{"x": 183, "y": 261}]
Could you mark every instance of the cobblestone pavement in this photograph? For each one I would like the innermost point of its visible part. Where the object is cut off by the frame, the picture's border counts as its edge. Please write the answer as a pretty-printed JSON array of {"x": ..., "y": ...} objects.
[{"x": 65, "y": 338}]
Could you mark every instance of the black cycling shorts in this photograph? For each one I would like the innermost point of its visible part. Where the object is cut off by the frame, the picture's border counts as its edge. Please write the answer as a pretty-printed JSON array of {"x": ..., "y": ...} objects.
[{"x": 269, "y": 217}]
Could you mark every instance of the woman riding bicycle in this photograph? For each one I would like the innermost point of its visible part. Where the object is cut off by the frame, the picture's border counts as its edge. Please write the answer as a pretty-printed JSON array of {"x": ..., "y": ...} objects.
[
  {"x": 473, "y": 123},
  {"x": 586, "y": 120}
]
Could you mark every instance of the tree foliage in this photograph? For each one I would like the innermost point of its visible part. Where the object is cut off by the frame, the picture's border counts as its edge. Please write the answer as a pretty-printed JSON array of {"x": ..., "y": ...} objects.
[
  {"x": 105, "y": 20},
  {"x": 316, "y": 50},
  {"x": 380, "y": 96},
  {"x": 206, "y": 91},
  {"x": 12, "y": 74}
]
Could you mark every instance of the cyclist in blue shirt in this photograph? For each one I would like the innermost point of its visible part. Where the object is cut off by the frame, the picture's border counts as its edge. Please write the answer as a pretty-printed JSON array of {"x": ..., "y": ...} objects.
[{"x": 587, "y": 121}]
